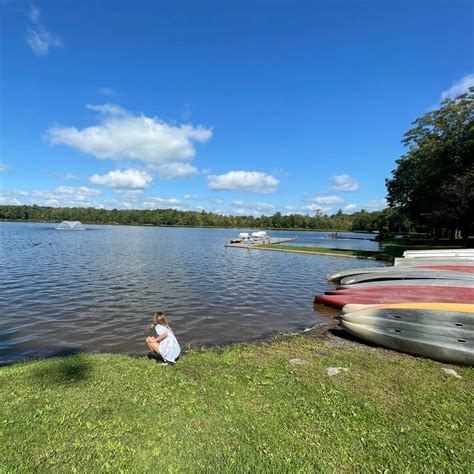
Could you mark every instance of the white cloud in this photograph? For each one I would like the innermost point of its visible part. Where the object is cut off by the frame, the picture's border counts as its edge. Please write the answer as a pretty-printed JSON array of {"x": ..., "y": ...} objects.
[
  {"x": 344, "y": 182},
  {"x": 4, "y": 167},
  {"x": 39, "y": 39},
  {"x": 176, "y": 170},
  {"x": 373, "y": 205},
  {"x": 328, "y": 200},
  {"x": 459, "y": 87},
  {"x": 350, "y": 208},
  {"x": 253, "y": 208},
  {"x": 66, "y": 196},
  {"x": 107, "y": 91},
  {"x": 14, "y": 192},
  {"x": 127, "y": 179},
  {"x": 191, "y": 197},
  {"x": 252, "y": 181},
  {"x": 64, "y": 176},
  {"x": 122, "y": 135},
  {"x": 129, "y": 193},
  {"x": 317, "y": 208},
  {"x": 161, "y": 203},
  {"x": 9, "y": 201},
  {"x": 109, "y": 109}
]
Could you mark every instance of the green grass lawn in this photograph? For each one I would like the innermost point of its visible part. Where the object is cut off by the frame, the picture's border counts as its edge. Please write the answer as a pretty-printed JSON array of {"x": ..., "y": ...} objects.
[{"x": 243, "y": 408}]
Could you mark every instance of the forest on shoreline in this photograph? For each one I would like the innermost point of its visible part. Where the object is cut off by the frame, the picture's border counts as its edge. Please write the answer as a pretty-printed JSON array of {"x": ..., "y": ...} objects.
[{"x": 359, "y": 221}]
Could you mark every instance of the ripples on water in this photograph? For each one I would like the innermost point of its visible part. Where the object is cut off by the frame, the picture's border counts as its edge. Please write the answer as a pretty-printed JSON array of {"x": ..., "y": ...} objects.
[{"x": 97, "y": 290}]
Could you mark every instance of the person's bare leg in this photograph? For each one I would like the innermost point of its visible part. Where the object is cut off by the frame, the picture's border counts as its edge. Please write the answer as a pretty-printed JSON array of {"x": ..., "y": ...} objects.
[{"x": 153, "y": 346}]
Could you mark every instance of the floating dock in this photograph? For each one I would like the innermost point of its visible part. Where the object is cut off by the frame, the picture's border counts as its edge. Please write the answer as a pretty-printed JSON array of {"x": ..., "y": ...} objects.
[{"x": 247, "y": 244}]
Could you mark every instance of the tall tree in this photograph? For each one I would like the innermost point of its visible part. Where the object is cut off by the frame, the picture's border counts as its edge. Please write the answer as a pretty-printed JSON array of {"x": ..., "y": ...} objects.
[{"x": 433, "y": 183}]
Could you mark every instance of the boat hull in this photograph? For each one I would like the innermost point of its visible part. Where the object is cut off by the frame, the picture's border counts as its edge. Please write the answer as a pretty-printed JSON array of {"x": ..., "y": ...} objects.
[{"x": 446, "y": 336}]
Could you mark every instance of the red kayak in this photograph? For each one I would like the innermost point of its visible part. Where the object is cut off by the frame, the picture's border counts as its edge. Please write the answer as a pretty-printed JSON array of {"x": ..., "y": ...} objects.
[
  {"x": 396, "y": 294},
  {"x": 452, "y": 268}
]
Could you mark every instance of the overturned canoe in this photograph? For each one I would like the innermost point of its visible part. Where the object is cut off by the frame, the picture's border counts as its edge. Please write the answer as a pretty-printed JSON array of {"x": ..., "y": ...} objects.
[
  {"x": 415, "y": 282},
  {"x": 416, "y": 262},
  {"x": 431, "y": 306},
  {"x": 424, "y": 293},
  {"x": 409, "y": 274},
  {"x": 456, "y": 253},
  {"x": 391, "y": 295},
  {"x": 442, "y": 335}
]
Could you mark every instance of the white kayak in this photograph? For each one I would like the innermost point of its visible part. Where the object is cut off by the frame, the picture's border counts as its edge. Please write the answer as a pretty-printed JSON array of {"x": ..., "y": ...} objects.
[
  {"x": 440, "y": 253},
  {"x": 414, "y": 262}
]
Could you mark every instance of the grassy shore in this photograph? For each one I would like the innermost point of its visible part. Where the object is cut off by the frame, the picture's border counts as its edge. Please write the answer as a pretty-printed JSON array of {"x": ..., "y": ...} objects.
[
  {"x": 243, "y": 408},
  {"x": 392, "y": 249}
]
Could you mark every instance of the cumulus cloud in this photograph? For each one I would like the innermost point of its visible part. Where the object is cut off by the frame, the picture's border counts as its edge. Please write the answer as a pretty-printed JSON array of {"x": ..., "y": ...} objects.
[
  {"x": 9, "y": 201},
  {"x": 328, "y": 200},
  {"x": 79, "y": 193},
  {"x": 252, "y": 181},
  {"x": 373, "y": 205},
  {"x": 253, "y": 208},
  {"x": 344, "y": 182},
  {"x": 122, "y": 135},
  {"x": 162, "y": 203},
  {"x": 317, "y": 208},
  {"x": 4, "y": 167},
  {"x": 459, "y": 87},
  {"x": 63, "y": 176},
  {"x": 40, "y": 39},
  {"x": 350, "y": 208},
  {"x": 176, "y": 170},
  {"x": 127, "y": 179},
  {"x": 66, "y": 196}
]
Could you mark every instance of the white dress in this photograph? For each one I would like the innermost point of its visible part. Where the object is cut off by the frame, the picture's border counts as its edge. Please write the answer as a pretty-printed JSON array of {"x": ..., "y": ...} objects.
[{"x": 169, "y": 347}]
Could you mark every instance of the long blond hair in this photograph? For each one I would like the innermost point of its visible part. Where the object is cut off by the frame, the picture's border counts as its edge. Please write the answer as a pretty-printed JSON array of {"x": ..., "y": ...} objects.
[{"x": 160, "y": 318}]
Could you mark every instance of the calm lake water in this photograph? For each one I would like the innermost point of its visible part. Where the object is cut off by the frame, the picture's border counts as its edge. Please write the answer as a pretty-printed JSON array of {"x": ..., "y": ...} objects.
[{"x": 96, "y": 290}]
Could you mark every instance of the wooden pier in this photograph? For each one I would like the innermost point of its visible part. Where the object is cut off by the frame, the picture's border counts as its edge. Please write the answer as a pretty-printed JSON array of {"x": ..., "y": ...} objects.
[{"x": 249, "y": 243}]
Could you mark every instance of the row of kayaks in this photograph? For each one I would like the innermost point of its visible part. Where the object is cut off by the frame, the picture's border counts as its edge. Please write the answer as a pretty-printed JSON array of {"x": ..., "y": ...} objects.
[{"x": 423, "y": 305}]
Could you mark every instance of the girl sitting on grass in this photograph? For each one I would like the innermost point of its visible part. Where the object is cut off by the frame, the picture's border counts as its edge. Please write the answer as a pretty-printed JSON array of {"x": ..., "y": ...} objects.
[{"x": 165, "y": 345}]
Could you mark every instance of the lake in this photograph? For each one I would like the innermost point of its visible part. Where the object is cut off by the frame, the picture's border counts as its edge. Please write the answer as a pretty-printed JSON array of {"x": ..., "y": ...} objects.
[{"x": 96, "y": 290}]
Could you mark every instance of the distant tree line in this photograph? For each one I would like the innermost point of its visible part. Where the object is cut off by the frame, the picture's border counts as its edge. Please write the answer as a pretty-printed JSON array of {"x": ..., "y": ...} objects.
[{"x": 383, "y": 221}]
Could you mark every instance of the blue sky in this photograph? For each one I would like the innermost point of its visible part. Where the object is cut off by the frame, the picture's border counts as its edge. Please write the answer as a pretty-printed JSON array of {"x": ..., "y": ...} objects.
[{"x": 233, "y": 107}]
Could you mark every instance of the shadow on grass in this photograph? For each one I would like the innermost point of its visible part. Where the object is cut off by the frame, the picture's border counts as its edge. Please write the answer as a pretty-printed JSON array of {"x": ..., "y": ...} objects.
[
  {"x": 66, "y": 367},
  {"x": 343, "y": 335}
]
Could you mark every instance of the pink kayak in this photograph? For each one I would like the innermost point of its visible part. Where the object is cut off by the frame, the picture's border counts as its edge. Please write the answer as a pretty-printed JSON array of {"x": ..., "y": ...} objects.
[
  {"x": 452, "y": 268},
  {"x": 387, "y": 294}
]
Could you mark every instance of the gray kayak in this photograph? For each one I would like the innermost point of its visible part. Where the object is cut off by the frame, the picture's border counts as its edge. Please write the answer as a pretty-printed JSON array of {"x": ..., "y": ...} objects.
[
  {"x": 447, "y": 336},
  {"x": 335, "y": 277},
  {"x": 414, "y": 282},
  {"x": 409, "y": 274},
  {"x": 415, "y": 262}
]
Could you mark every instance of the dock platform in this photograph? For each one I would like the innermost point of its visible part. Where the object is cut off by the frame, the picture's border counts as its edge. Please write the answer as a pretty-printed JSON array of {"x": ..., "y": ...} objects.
[{"x": 246, "y": 244}]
